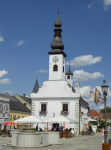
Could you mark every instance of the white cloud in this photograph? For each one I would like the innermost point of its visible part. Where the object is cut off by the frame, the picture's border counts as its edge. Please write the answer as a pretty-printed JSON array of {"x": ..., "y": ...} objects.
[
  {"x": 109, "y": 84},
  {"x": 107, "y": 2},
  {"x": 105, "y": 8},
  {"x": 2, "y": 73},
  {"x": 5, "y": 81},
  {"x": 102, "y": 106},
  {"x": 20, "y": 43},
  {"x": 1, "y": 38},
  {"x": 90, "y": 5},
  {"x": 84, "y": 60},
  {"x": 9, "y": 92},
  {"x": 80, "y": 75},
  {"x": 43, "y": 71}
]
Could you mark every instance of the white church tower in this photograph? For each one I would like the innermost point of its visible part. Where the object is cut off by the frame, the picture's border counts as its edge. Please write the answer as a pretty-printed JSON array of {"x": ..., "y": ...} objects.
[
  {"x": 57, "y": 56},
  {"x": 57, "y": 97},
  {"x": 69, "y": 76}
]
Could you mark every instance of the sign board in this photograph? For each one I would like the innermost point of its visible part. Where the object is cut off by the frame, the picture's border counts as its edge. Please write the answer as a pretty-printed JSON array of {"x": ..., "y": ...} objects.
[
  {"x": 102, "y": 132},
  {"x": 85, "y": 118}
]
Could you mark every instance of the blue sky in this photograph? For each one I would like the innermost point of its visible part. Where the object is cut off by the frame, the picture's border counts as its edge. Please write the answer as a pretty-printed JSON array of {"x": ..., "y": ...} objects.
[{"x": 26, "y": 33}]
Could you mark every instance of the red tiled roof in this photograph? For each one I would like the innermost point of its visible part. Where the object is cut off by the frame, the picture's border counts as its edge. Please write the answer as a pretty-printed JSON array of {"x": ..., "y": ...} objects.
[
  {"x": 108, "y": 115},
  {"x": 93, "y": 113}
]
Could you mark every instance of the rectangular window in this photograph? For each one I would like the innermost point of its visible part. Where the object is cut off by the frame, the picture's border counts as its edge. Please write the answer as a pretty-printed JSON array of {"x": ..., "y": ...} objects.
[
  {"x": 0, "y": 115},
  {"x": 0, "y": 107},
  {"x": 3, "y": 114},
  {"x": 14, "y": 117},
  {"x": 43, "y": 107},
  {"x": 65, "y": 107},
  {"x": 10, "y": 117},
  {"x": 63, "y": 68},
  {"x": 6, "y": 108}
]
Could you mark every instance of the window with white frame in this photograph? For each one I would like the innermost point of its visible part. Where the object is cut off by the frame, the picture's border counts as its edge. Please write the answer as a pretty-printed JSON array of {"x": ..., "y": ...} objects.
[
  {"x": 43, "y": 107},
  {"x": 64, "y": 107}
]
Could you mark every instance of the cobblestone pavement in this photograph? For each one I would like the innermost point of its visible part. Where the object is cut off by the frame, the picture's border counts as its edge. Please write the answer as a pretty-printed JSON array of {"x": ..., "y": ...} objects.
[{"x": 75, "y": 143}]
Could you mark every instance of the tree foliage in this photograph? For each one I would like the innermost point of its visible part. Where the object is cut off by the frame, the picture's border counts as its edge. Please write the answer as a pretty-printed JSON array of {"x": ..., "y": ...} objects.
[
  {"x": 108, "y": 110},
  {"x": 102, "y": 123}
]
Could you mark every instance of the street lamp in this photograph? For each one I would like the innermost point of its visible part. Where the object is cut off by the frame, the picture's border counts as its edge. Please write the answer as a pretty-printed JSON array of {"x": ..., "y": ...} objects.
[{"x": 105, "y": 91}]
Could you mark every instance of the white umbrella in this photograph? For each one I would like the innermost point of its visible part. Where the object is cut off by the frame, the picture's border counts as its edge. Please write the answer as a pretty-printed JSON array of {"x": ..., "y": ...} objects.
[
  {"x": 29, "y": 119},
  {"x": 58, "y": 119}
]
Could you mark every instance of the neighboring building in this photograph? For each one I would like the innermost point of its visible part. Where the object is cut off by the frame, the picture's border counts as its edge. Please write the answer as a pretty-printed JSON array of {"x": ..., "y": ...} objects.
[
  {"x": 93, "y": 114},
  {"x": 13, "y": 107},
  {"x": 108, "y": 117},
  {"x": 26, "y": 101},
  {"x": 4, "y": 110},
  {"x": 57, "y": 95},
  {"x": 17, "y": 110}
]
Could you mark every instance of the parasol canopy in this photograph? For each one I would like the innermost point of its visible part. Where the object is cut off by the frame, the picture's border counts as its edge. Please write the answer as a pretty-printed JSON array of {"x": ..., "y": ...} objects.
[
  {"x": 29, "y": 119},
  {"x": 58, "y": 119},
  {"x": 9, "y": 123}
]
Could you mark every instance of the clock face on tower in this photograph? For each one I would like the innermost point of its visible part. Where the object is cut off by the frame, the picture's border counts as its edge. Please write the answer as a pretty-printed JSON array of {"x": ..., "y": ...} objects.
[{"x": 55, "y": 59}]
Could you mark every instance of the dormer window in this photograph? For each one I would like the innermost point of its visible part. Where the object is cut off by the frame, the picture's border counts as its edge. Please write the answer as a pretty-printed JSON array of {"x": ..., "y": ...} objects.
[{"x": 55, "y": 68}]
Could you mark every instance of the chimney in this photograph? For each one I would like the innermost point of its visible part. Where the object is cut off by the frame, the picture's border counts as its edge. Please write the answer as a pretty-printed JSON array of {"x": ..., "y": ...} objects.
[{"x": 24, "y": 95}]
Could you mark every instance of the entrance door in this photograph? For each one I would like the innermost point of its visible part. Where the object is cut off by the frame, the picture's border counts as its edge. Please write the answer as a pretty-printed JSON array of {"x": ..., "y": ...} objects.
[{"x": 55, "y": 124}]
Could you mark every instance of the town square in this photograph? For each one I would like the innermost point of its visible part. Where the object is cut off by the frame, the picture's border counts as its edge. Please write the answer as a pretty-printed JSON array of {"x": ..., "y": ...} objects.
[{"x": 54, "y": 75}]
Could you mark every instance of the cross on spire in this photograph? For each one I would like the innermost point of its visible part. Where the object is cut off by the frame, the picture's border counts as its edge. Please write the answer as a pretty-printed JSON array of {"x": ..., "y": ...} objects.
[{"x": 58, "y": 12}]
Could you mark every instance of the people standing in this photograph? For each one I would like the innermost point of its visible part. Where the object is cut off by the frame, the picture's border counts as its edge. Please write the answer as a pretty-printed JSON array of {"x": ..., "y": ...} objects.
[{"x": 72, "y": 131}]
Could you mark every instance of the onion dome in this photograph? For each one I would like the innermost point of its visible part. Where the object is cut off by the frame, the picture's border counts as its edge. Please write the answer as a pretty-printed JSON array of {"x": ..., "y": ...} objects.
[
  {"x": 58, "y": 23},
  {"x": 57, "y": 45},
  {"x": 69, "y": 71}
]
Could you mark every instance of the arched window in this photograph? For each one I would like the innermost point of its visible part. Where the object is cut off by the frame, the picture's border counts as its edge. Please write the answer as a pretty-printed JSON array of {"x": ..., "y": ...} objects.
[
  {"x": 55, "y": 68},
  {"x": 68, "y": 77},
  {"x": 63, "y": 68}
]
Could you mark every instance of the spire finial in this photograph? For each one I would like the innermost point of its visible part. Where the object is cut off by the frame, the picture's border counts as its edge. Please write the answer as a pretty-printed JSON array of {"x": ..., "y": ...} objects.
[{"x": 58, "y": 12}]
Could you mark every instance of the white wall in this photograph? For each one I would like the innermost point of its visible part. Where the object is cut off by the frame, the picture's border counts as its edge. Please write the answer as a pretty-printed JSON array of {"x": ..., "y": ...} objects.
[
  {"x": 84, "y": 109},
  {"x": 69, "y": 80},
  {"x": 56, "y": 75},
  {"x": 54, "y": 105},
  {"x": 55, "y": 89}
]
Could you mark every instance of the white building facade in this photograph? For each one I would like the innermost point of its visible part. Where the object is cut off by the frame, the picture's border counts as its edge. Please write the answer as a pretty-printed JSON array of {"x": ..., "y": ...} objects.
[{"x": 57, "y": 96}]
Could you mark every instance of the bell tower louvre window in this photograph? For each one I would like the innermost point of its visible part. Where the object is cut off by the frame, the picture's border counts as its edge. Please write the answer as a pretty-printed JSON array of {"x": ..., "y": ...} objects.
[
  {"x": 57, "y": 33},
  {"x": 55, "y": 68},
  {"x": 63, "y": 68},
  {"x": 68, "y": 77}
]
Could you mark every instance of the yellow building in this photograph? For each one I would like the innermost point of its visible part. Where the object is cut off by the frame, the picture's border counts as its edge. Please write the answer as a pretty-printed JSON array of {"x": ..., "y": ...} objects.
[{"x": 17, "y": 111}]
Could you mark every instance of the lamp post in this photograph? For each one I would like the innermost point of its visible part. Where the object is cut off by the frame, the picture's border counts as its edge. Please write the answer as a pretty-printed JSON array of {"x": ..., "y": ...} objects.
[{"x": 105, "y": 91}]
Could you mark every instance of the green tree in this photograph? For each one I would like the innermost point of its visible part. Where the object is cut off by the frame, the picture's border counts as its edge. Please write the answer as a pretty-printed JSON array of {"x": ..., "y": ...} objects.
[
  {"x": 102, "y": 123},
  {"x": 108, "y": 109}
]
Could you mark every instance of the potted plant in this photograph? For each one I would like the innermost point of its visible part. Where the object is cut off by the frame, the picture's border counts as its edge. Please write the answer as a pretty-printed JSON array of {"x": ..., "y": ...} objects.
[
  {"x": 43, "y": 112},
  {"x": 64, "y": 112}
]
